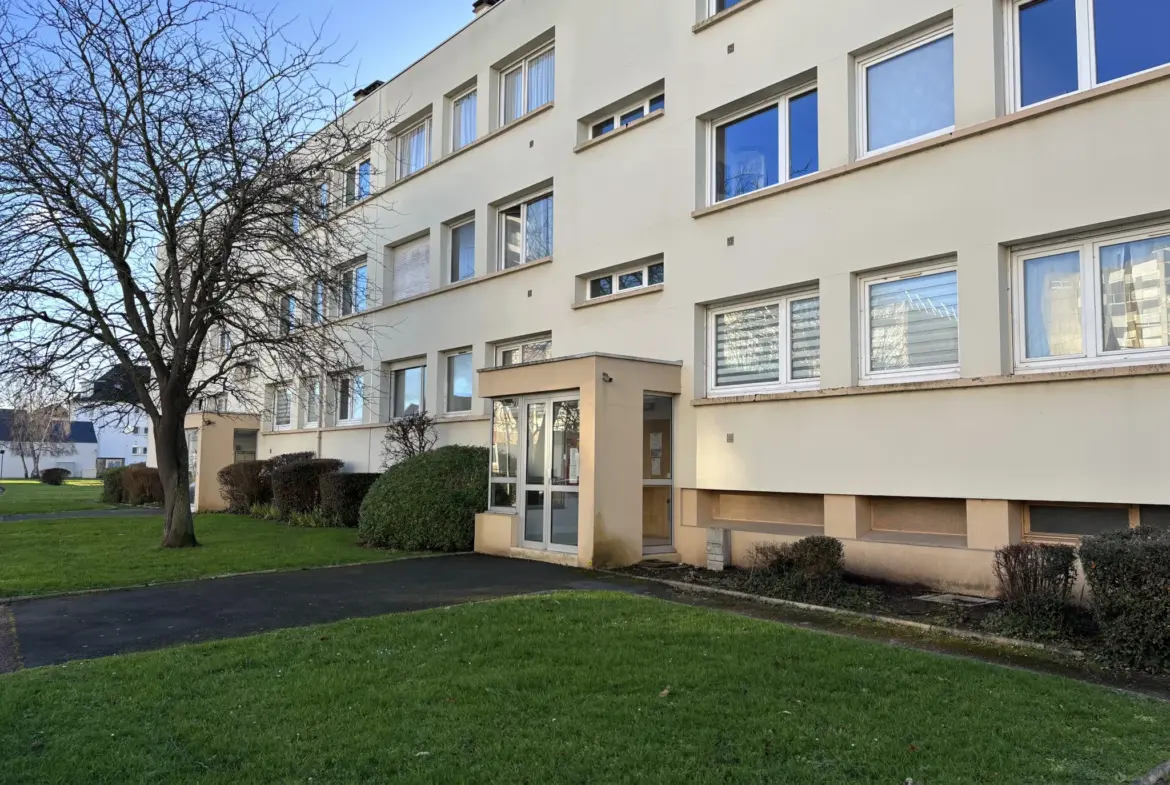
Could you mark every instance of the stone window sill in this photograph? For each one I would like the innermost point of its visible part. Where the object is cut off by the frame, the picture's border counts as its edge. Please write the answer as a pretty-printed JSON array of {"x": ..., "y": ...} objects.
[{"x": 613, "y": 298}]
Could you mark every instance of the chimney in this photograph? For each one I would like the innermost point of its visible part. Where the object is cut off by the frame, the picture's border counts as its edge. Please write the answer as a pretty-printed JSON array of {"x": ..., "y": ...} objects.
[
  {"x": 371, "y": 87},
  {"x": 479, "y": 6}
]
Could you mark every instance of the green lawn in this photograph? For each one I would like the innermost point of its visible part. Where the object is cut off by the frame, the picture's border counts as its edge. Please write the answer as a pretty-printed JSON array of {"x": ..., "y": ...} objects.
[
  {"x": 37, "y": 557},
  {"x": 570, "y": 688},
  {"x": 26, "y": 496}
]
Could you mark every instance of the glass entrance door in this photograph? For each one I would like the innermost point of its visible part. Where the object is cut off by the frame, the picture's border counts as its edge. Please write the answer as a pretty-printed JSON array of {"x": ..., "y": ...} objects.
[
  {"x": 657, "y": 482},
  {"x": 552, "y": 469}
]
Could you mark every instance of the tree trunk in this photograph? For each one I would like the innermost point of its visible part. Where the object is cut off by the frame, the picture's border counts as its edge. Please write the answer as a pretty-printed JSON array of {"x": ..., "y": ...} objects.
[{"x": 170, "y": 445}]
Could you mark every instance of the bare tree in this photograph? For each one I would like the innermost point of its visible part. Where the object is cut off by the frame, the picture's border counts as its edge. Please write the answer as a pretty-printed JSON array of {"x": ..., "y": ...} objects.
[
  {"x": 40, "y": 424},
  {"x": 162, "y": 172},
  {"x": 409, "y": 436}
]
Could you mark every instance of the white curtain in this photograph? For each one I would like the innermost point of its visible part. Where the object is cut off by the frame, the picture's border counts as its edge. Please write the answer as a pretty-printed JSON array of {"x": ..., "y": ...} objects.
[
  {"x": 541, "y": 78},
  {"x": 513, "y": 95},
  {"x": 465, "y": 110},
  {"x": 412, "y": 151}
]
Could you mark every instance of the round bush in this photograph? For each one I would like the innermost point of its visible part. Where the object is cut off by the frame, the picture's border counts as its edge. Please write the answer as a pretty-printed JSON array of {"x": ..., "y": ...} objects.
[
  {"x": 428, "y": 502},
  {"x": 55, "y": 476},
  {"x": 342, "y": 496},
  {"x": 114, "y": 485},
  {"x": 142, "y": 485},
  {"x": 296, "y": 487}
]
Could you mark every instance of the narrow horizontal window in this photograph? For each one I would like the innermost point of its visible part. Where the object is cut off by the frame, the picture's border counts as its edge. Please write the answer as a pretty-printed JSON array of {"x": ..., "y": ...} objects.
[
  {"x": 627, "y": 116},
  {"x": 908, "y": 92},
  {"x": 630, "y": 117},
  {"x": 1075, "y": 521},
  {"x": 766, "y": 146},
  {"x": 911, "y": 325},
  {"x": 535, "y": 350},
  {"x": 770, "y": 345},
  {"x": 627, "y": 280}
]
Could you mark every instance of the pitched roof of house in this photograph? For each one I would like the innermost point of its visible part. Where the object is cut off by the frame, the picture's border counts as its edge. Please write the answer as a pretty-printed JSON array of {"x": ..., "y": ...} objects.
[{"x": 79, "y": 432}]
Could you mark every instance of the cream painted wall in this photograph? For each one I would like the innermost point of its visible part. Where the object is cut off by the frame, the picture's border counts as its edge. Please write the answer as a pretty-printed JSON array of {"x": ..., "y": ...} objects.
[{"x": 1090, "y": 164}]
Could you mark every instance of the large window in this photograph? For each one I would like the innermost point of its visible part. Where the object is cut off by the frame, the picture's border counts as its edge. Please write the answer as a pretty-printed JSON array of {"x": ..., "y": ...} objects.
[
  {"x": 1097, "y": 301},
  {"x": 526, "y": 232},
  {"x": 409, "y": 390},
  {"x": 638, "y": 277},
  {"x": 357, "y": 182},
  {"x": 463, "y": 251},
  {"x": 283, "y": 408},
  {"x": 907, "y": 92},
  {"x": 766, "y": 145},
  {"x": 627, "y": 116},
  {"x": 772, "y": 344},
  {"x": 352, "y": 290},
  {"x": 460, "y": 380},
  {"x": 411, "y": 274},
  {"x": 531, "y": 351},
  {"x": 463, "y": 111},
  {"x": 527, "y": 85},
  {"x": 910, "y": 325},
  {"x": 505, "y": 458},
  {"x": 413, "y": 149},
  {"x": 349, "y": 401},
  {"x": 1062, "y": 46}
]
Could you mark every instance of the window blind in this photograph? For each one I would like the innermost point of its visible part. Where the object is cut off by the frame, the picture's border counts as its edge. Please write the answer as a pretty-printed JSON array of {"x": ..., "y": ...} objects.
[
  {"x": 914, "y": 322},
  {"x": 805, "y": 318},
  {"x": 412, "y": 268},
  {"x": 747, "y": 346}
]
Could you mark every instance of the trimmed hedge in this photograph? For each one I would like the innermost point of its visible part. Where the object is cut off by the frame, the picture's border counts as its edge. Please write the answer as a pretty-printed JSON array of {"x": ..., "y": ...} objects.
[
  {"x": 342, "y": 496},
  {"x": 245, "y": 484},
  {"x": 296, "y": 487},
  {"x": 114, "y": 485},
  {"x": 428, "y": 502},
  {"x": 1129, "y": 575},
  {"x": 55, "y": 476},
  {"x": 142, "y": 485},
  {"x": 287, "y": 459}
]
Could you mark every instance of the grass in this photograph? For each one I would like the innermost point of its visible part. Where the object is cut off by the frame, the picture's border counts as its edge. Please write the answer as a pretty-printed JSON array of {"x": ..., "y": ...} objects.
[
  {"x": 565, "y": 688},
  {"x": 38, "y": 557},
  {"x": 30, "y": 496}
]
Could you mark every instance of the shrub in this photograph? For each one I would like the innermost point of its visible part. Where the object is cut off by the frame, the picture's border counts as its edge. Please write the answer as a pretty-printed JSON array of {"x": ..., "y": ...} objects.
[
  {"x": 267, "y": 512},
  {"x": 142, "y": 485},
  {"x": 296, "y": 486},
  {"x": 1129, "y": 575},
  {"x": 287, "y": 459},
  {"x": 809, "y": 570},
  {"x": 409, "y": 436},
  {"x": 114, "y": 485},
  {"x": 1035, "y": 581},
  {"x": 342, "y": 496},
  {"x": 245, "y": 484},
  {"x": 817, "y": 557},
  {"x": 55, "y": 476},
  {"x": 428, "y": 502},
  {"x": 313, "y": 519}
]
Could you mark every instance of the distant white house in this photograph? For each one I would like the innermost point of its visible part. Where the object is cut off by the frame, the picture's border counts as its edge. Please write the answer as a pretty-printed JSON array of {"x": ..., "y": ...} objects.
[
  {"x": 81, "y": 463},
  {"x": 120, "y": 424}
]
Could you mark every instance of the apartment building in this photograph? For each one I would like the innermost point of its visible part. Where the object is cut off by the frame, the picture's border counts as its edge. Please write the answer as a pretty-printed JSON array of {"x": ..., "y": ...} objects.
[{"x": 707, "y": 273}]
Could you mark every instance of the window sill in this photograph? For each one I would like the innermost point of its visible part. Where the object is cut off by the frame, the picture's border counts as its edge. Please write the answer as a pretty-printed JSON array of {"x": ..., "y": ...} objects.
[
  {"x": 1059, "y": 104},
  {"x": 612, "y": 298},
  {"x": 911, "y": 377},
  {"x": 450, "y": 419},
  {"x": 590, "y": 144},
  {"x": 719, "y": 17},
  {"x": 943, "y": 384},
  {"x": 928, "y": 539}
]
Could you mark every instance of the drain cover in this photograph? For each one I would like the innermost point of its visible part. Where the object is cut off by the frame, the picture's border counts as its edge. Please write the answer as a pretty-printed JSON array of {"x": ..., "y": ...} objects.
[{"x": 959, "y": 600}]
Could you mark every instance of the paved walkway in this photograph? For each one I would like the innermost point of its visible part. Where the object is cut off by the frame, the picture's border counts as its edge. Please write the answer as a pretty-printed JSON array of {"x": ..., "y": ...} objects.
[
  {"x": 58, "y": 629},
  {"x": 118, "y": 512}
]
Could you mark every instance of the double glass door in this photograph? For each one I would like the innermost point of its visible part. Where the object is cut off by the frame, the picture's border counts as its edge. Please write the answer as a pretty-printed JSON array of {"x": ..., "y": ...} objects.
[{"x": 552, "y": 471}]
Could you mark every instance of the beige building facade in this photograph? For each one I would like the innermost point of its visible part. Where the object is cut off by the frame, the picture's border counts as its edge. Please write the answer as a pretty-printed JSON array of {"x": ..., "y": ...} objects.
[{"x": 893, "y": 272}]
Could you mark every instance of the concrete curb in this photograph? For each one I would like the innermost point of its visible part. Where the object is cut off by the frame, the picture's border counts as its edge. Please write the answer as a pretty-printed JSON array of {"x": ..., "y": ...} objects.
[
  {"x": 916, "y": 625},
  {"x": 274, "y": 570},
  {"x": 1155, "y": 775}
]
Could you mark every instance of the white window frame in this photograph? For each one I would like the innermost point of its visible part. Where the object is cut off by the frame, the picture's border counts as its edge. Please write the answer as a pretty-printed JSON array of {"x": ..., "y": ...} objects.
[
  {"x": 400, "y": 140},
  {"x": 455, "y": 126},
  {"x": 392, "y": 371},
  {"x": 324, "y": 199},
  {"x": 278, "y": 391},
  {"x": 901, "y": 375},
  {"x": 449, "y": 381},
  {"x": 451, "y": 227},
  {"x": 353, "y": 182},
  {"x": 312, "y": 393},
  {"x": 615, "y": 279},
  {"x": 287, "y": 306},
  {"x": 896, "y": 49},
  {"x": 356, "y": 307},
  {"x": 1086, "y": 54},
  {"x": 1092, "y": 355},
  {"x": 501, "y": 250},
  {"x": 786, "y": 383},
  {"x": 503, "y": 348},
  {"x": 522, "y": 63},
  {"x": 616, "y": 117},
  {"x": 318, "y": 301},
  {"x": 784, "y": 153},
  {"x": 713, "y": 8},
  {"x": 356, "y": 379}
]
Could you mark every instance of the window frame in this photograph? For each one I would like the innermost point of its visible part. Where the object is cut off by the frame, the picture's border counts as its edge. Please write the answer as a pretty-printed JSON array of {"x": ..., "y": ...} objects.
[
  {"x": 358, "y": 189},
  {"x": 318, "y": 302},
  {"x": 287, "y": 313},
  {"x": 616, "y": 117},
  {"x": 448, "y": 385},
  {"x": 869, "y": 377},
  {"x": 278, "y": 390},
  {"x": 355, "y": 307},
  {"x": 615, "y": 280},
  {"x": 312, "y": 393},
  {"x": 501, "y": 348},
  {"x": 523, "y": 204},
  {"x": 324, "y": 200},
  {"x": 784, "y": 154},
  {"x": 392, "y": 375},
  {"x": 514, "y": 481},
  {"x": 456, "y": 126},
  {"x": 522, "y": 63},
  {"x": 356, "y": 379},
  {"x": 1071, "y": 539},
  {"x": 786, "y": 383},
  {"x": 452, "y": 246},
  {"x": 1088, "y": 245},
  {"x": 897, "y": 48},
  {"x": 401, "y": 137}
]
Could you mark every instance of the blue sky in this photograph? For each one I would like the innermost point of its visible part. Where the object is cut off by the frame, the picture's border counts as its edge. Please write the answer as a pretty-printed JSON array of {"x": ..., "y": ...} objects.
[{"x": 381, "y": 37}]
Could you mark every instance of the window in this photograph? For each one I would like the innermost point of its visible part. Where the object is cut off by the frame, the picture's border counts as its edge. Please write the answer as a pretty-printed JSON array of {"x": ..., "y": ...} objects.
[
  {"x": 460, "y": 375},
  {"x": 412, "y": 269},
  {"x": 766, "y": 145},
  {"x": 352, "y": 293},
  {"x": 317, "y": 301},
  {"x": 133, "y": 450},
  {"x": 1098, "y": 301},
  {"x": 145, "y": 430},
  {"x": 722, "y": 5},
  {"x": 772, "y": 344},
  {"x": 296, "y": 221},
  {"x": 323, "y": 200},
  {"x": 640, "y": 277},
  {"x": 357, "y": 182},
  {"x": 907, "y": 93},
  {"x": 531, "y": 351},
  {"x": 349, "y": 389},
  {"x": 505, "y": 458},
  {"x": 527, "y": 85},
  {"x": 463, "y": 111},
  {"x": 463, "y": 251},
  {"x": 1062, "y": 46},
  {"x": 413, "y": 149},
  {"x": 409, "y": 390},
  {"x": 312, "y": 403},
  {"x": 628, "y": 115},
  {"x": 526, "y": 232},
  {"x": 288, "y": 313},
  {"x": 1072, "y": 521},
  {"x": 910, "y": 324},
  {"x": 225, "y": 340},
  {"x": 283, "y": 408}
]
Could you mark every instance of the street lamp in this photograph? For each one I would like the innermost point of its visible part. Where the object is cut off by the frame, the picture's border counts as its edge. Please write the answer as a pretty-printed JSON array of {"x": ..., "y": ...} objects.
[{"x": 1, "y": 462}]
